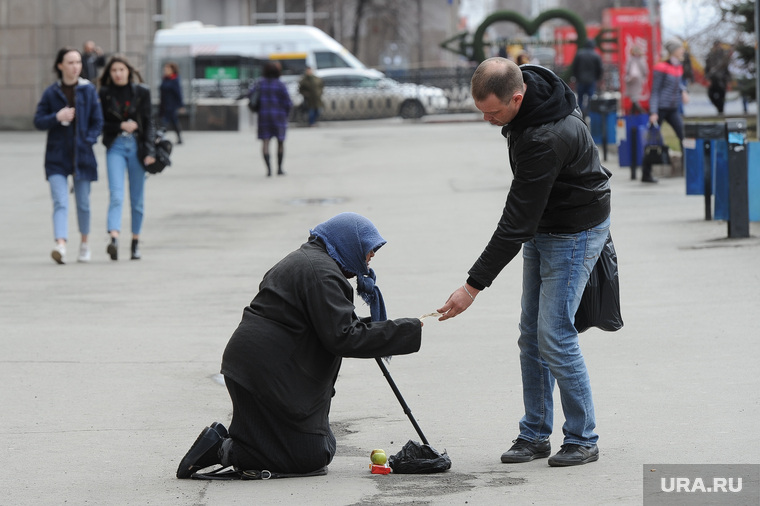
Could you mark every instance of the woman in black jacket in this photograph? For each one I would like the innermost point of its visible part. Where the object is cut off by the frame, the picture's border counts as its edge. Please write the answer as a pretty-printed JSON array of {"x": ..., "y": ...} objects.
[{"x": 128, "y": 134}]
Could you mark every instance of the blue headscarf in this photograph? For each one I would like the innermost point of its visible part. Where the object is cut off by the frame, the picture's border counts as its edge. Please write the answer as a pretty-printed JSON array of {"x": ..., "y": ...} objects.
[{"x": 349, "y": 237}]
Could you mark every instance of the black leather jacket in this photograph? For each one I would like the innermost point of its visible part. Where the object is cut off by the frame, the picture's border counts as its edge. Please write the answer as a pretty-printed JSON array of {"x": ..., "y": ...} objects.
[
  {"x": 139, "y": 109},
  {"x": 559, "y": 184}
]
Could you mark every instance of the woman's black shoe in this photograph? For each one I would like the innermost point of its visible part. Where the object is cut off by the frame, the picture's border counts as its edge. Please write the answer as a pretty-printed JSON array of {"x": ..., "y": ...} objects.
[
  {"x": 203, "y": 453},
  {"x": 113, "y": 249},
  {"x": 135, "y": 250}
]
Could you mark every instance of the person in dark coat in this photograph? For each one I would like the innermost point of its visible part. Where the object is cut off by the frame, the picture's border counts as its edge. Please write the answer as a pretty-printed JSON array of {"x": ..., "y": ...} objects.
[
  {"x": 70, "y": 112},
  {"x": 716, "y": 71},
  {"x": 558, "y": 212},
  {"x": 171, "y": 99},
  {"x": 281, "y": 364},
  {"x": 311, "y": 87},
  {"x": 274, "y": 107},
  {"x": 93, "y": 60},
  {"x": 587, "y": 70},
  {"x": 129, "y": 137}
]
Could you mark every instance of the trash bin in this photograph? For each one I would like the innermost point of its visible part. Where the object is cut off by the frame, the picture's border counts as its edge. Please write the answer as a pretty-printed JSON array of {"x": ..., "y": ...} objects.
[
  {"x": 630, "y": 144},
  {"x": 699, "y": 166},
  {"x": 753, "y": 179}
]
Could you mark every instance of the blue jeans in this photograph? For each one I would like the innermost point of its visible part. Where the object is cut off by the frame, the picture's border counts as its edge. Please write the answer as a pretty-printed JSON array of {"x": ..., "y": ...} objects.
[
  {"x": 556, "y": 268},
  {"x": 313, "y": 116},
  {"x": 59, "y": 190},
  {"x": 121, "y": 158},
  {"x": 673, "y": 118},
  {"x": 585, "y": 92}
]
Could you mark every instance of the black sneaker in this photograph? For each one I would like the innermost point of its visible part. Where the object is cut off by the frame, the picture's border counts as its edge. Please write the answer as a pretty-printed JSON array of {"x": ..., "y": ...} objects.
[
  {"x": 574, "y": 455},
  {"x": 203, "y": 453},
  {"x": 524, "y": 451}
]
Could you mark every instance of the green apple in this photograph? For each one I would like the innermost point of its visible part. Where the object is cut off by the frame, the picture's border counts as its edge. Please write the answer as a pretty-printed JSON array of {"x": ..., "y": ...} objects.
[{"x": 378, "y": 457}]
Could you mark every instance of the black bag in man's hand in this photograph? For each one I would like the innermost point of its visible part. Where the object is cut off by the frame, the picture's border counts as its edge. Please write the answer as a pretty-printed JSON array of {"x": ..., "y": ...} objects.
[
  {"x": 600, "y": 303},
  {"x": 163, "y": 153}
]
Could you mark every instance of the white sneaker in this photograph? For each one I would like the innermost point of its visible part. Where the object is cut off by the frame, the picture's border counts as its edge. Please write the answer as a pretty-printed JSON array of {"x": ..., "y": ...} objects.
[
  {"x": 84, "y": 253},
  {"x": 59, "y": 253}
]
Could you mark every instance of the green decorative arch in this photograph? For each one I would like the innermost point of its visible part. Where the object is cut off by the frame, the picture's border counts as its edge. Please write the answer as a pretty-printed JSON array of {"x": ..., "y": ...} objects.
[{"x": 530, "y": 26}]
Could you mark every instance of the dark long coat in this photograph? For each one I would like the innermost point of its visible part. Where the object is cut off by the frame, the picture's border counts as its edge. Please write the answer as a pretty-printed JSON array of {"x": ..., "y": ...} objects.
[{"x": 288, "y": 348}]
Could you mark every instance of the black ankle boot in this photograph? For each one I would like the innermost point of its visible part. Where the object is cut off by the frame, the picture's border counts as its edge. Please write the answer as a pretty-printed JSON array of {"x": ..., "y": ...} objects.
[
  {"x": 135, "y": 250},
  {"x": 113, "y": 248},
  {"x": 269, "y": 165}
]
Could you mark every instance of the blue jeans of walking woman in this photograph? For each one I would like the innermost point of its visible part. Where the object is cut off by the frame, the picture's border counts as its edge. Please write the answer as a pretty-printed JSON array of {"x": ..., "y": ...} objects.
[
  {"x": 59, "y": 190},
  {"x": 122, "y": 160},
  {"x": 556, "y": 268}
]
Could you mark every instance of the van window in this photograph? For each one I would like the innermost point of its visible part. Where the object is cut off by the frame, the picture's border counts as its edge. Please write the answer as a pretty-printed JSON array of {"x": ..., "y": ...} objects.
[
  {"x": 292, "y": 67},
  {"x": 328, "y": 60}
]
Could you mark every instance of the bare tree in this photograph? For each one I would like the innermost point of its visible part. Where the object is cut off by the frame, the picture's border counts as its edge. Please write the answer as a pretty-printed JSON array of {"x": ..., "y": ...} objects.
[{"x": 361, "y": 5}]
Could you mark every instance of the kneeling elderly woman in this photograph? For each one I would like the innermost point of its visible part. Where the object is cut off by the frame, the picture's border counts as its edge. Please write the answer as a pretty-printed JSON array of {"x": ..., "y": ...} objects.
[{"x": 282, "y": 362}]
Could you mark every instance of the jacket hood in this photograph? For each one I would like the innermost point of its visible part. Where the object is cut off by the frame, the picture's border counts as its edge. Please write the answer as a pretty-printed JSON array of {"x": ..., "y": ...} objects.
[{"x": 547, "y": 98}]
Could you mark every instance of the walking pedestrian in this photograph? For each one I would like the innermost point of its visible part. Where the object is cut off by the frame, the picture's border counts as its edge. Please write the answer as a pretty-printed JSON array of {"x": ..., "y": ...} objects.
[
  {"x": 667, "y": 97},
  {"x": 274, "y": 107},
  {"x": 93, "y": 59},
  {"x": 171, "y": 99},
  {"x": 128, "y": 135},
  {"x": 718, "y": 73},
  {"x": 636, "y": 76},
  {"x": 586, "y": 70},
  {"x": 70, "y": 111},
  {"x": 311, "y": 86}
]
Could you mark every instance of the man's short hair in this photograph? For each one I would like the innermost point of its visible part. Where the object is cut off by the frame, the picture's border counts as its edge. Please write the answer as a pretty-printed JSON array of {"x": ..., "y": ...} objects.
[{"x": 498, "y": 76}]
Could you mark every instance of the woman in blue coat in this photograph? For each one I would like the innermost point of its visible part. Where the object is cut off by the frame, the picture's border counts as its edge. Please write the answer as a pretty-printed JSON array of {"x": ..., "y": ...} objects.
[
  {"x": 171, "y": 99},
  {"x": 70, "y": 112}
]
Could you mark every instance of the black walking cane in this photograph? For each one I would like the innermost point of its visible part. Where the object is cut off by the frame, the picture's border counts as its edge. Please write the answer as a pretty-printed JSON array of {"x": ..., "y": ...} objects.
[
  {"x": 401, "y": 400},
  {"x": 413, "y": 457}
]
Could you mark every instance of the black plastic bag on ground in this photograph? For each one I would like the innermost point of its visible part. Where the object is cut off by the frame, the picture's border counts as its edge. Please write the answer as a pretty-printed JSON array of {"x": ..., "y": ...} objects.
[
  {"x": 600, "y": 303},
  {"x": 416, "y": 458}
]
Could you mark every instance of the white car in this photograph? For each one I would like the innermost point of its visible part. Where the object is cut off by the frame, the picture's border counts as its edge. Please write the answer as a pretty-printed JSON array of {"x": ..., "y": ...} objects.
[{"x": 367, "y": 94}]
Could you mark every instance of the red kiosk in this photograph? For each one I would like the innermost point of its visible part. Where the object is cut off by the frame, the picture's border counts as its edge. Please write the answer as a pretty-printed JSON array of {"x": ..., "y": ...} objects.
[{"x": 621, "y": 29}]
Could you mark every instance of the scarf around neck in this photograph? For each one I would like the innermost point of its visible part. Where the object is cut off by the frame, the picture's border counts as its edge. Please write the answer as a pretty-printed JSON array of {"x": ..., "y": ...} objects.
[{"x": 349, "y": 238}]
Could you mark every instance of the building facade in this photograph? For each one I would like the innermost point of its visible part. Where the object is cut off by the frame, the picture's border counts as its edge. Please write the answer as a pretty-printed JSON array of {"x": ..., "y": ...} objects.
[{"x": 388, "y": 35}]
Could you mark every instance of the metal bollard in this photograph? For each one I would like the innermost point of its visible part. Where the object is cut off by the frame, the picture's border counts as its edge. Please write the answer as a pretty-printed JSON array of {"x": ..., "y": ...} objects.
[
  {"x": 707, "y": 171},
  {"x": 738, "y": 196}
]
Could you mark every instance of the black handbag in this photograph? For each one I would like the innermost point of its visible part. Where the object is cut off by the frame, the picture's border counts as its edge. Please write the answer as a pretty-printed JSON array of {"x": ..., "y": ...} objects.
[
  {"x": 600, "y": 303},
  {"x": 254, "y": 98},
  {"x": 163, "y": 153}
]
